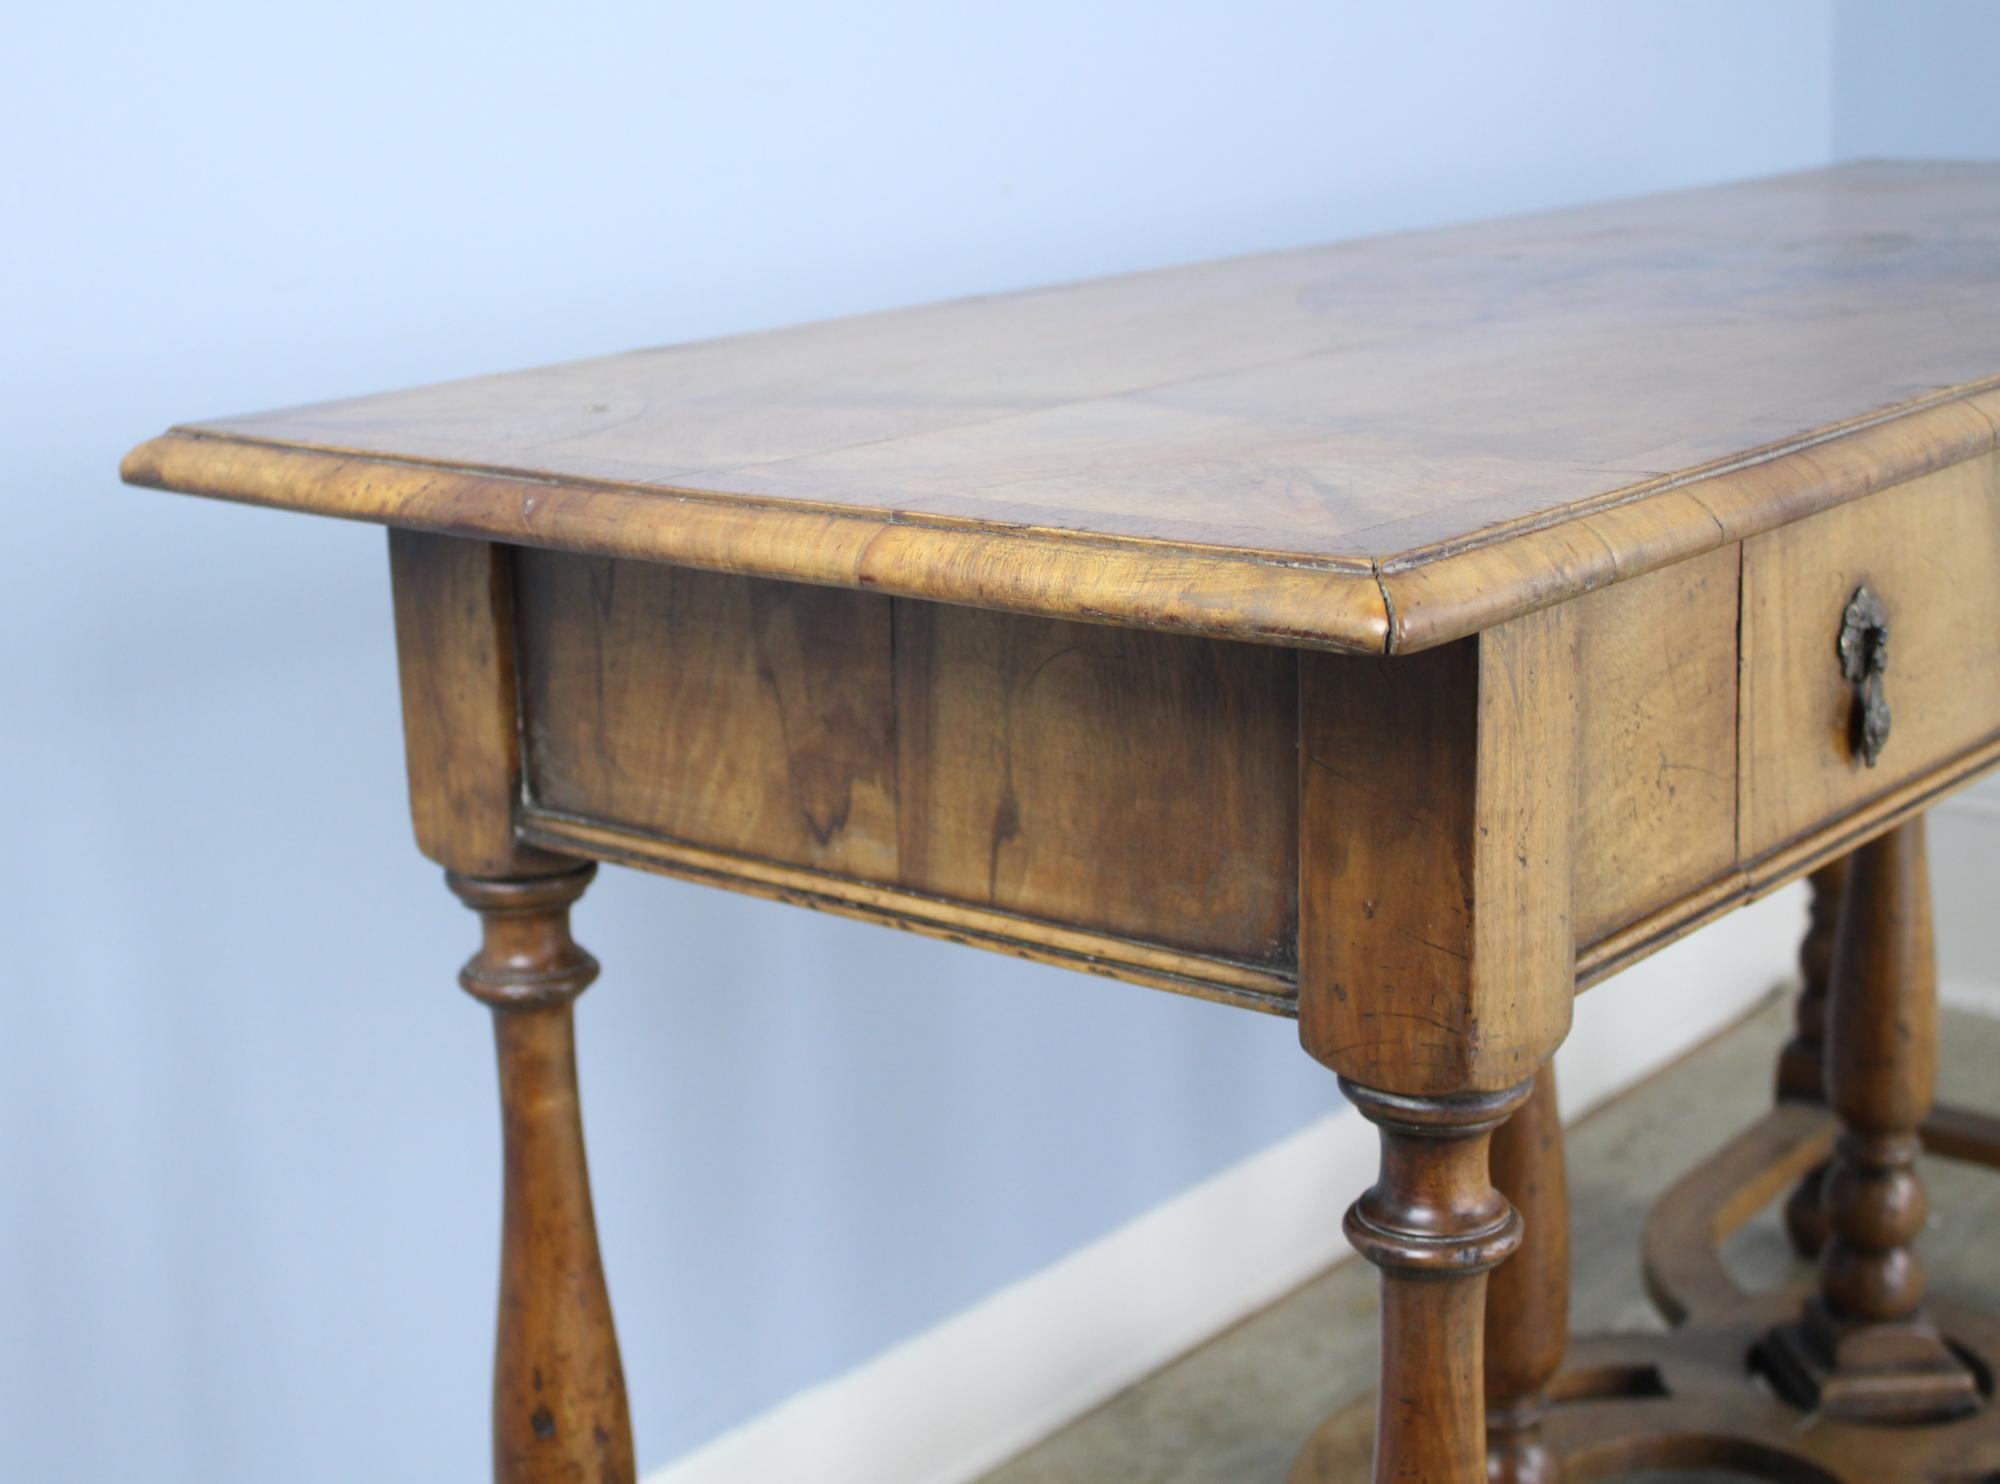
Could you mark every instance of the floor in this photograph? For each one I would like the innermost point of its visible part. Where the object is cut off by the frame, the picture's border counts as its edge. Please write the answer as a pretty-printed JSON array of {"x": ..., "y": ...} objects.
[{"x": 1236, "y": 1410}]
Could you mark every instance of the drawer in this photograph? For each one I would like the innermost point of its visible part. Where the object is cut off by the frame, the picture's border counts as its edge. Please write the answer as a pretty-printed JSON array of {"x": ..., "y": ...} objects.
[
  {"x": 1930, "y": 551},
  {"x": 963, "y": 768}
]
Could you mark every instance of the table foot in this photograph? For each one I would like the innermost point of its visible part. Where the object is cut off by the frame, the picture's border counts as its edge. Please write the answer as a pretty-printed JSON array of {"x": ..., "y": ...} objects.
[
  {"x": 1864, "y": 1347},
  {"x": 1703, "y": 1395},
  {"x": 1692, "y": 1399}
]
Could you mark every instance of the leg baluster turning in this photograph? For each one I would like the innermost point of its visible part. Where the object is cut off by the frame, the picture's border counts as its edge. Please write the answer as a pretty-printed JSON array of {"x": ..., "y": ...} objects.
[
  {"x": 1865, "y": 1349},
  {"x": 1801, "y": 1069},
  {"x": 1527, "y": 1297},
  {"x": 559, "y": 1409},
  {"x": 1434, "y": 1226}
]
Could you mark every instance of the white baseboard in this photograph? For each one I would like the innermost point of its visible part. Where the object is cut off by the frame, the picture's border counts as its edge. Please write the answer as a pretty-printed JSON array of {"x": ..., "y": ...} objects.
[
  {"x": 1979, "y": 996},
  {"x": 961, "y": 1398},
  {"x": 957, "y": 1400}
]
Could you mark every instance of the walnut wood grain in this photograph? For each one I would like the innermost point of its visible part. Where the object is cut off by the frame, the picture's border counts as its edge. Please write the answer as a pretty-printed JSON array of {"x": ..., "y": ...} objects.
[
  {"x": 461, "y": 708},
  {"x": 1434, "y": 1226},
  {"x": 1802, "y": 1061},
  {"x": 559, "y": 1407},
  {"x": 1928, "y": 549},
  {"x": 1204, "y": 976},
  {"x": 1682, "y": 1401},
  {"x": 1436, "y": 952},
  {"x": 1381, "y": 444},
  {"x": 673, "y": 714},
  {"x": 714, "y": 709},
  {"x": 1270, "y": 989},
  {"x": 633, "y": 780},
  {"x": 1112, "y": 779},
  {"x": 1755, "y": 878},
  {"x": 1865, "y": 1349},
  {"x": 1657, "y": 751},
  {"x": 1527, "y": 1296},
  {"x": 1881, "y": 1068}
]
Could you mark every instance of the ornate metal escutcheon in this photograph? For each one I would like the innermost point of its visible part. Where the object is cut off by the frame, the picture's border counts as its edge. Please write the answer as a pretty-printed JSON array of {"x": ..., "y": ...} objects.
[{"x": 1864, "y": 657}]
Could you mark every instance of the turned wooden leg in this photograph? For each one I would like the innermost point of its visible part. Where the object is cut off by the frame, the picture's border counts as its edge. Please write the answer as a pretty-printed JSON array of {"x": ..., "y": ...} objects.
[
  {"x": 559, "y": 1410},
  {"x": 1801, "y": 1064},
  {"x": 1864, "y": 1349},
  {"x": 1434, "y": 1226},
  {"x": 1527, "y": 1296}
]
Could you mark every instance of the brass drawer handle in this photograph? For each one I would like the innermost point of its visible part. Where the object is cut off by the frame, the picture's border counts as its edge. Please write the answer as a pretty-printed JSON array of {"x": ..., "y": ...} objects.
[{"x": 1864, "y": 657}]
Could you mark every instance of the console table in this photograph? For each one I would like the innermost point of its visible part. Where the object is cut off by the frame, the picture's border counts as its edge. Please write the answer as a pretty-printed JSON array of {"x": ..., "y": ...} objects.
[{"x": 1399, "y": 635}]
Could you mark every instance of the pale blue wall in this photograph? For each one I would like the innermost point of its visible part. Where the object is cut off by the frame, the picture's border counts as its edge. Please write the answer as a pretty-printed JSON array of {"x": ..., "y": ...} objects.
[
  {"x": 247, "y": 1138},
  {"x": 1914, "y": 79}
]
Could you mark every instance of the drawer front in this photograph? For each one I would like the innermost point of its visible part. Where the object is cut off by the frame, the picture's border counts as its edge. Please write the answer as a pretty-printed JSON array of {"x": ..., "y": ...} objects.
[
  {"x": 1135, "y": 785},
  {"x": 1930, "y": 552},
  {"x": 1656, "y": 792}
]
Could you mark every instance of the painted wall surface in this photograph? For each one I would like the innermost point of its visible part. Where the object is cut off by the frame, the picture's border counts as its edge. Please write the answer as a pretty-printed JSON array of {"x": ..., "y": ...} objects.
[
  {"x": 1915, "y": 81},
  {"x": 247, "y": 1134}
]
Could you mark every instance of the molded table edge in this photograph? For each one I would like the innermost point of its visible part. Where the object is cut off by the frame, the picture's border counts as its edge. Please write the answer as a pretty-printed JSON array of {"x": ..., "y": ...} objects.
[
  {"x": 1207, "y": 591},
  {"x": 1404, "y": 603}
]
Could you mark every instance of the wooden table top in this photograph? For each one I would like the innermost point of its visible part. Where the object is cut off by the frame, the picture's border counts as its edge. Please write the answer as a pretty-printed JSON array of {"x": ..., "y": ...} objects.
[{"x": 1370, "y": 445}]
